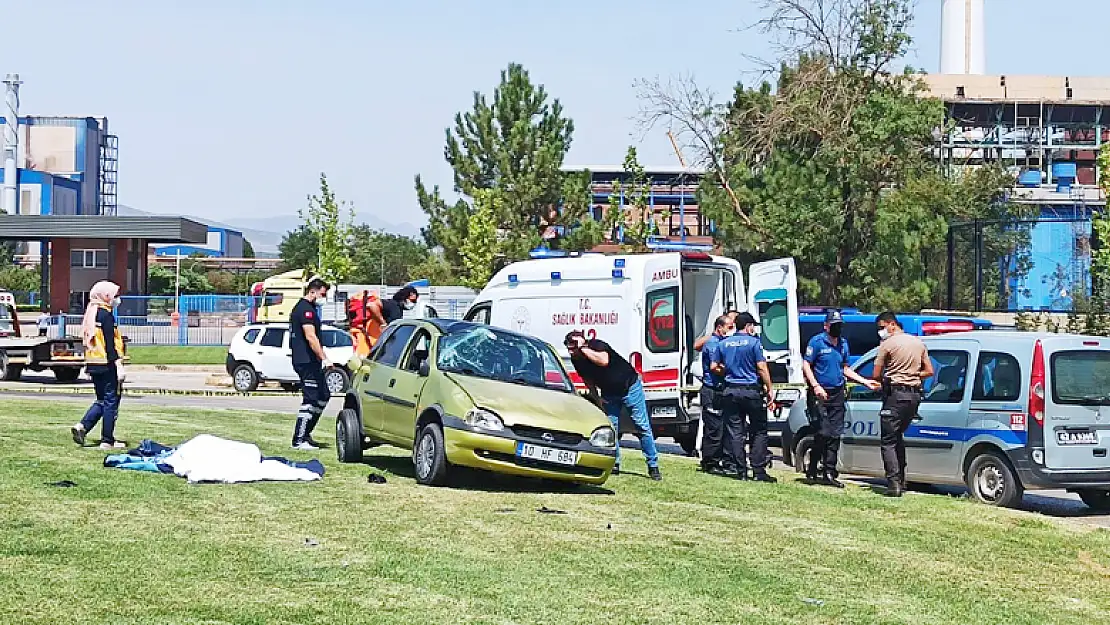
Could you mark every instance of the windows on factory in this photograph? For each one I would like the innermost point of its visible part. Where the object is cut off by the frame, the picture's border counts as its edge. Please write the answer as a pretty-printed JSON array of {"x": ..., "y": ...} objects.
[{"x": 88, "y": 259}]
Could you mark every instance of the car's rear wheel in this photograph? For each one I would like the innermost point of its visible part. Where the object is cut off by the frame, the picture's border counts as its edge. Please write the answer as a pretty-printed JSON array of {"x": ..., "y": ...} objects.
[
  {"x": 992, "y": 481},
  {"x": 336, "y": 380},
  {"x": 67, "y": 375},
  {"x": 348, "y": 436},
  {"x": 688, "y": 442},
  {"x": 1097, "y": 500},
  {"x": 429, "y": 456},
  {"x": 290, "y": 387},
  {"x": 803, "y": 453},
  {"x": 244, "y": 378}
]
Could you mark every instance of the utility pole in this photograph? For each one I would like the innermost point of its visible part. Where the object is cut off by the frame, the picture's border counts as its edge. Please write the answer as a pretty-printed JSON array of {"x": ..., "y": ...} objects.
[{"x": 177, "y": 283}]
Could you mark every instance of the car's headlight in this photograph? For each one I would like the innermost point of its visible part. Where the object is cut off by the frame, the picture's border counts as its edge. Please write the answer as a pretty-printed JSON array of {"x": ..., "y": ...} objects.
[
  {"x": 604, "y": 437},
  {"x": 483, "y": 419}
]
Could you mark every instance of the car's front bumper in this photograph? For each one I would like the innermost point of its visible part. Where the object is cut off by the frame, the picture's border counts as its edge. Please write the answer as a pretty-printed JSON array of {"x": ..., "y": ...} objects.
[{"x": 496, "y": 451}]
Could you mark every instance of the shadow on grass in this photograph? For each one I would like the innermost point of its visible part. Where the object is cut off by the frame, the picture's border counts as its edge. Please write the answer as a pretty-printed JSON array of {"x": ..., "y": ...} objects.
[{"x": 463, "y": 478}]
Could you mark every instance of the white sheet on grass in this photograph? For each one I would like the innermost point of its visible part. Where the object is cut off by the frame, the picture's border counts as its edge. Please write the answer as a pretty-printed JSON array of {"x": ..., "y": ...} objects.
[{"x": 208, "y": 458}]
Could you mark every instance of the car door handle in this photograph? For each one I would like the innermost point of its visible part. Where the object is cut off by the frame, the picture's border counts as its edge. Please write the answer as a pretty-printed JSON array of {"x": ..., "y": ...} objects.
[{"x": 392, "y": 382}]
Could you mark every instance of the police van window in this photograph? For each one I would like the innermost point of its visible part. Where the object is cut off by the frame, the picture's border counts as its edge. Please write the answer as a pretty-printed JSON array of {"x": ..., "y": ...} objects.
[
  {"x": 860, "y": 392},
  {"x": 862, "y": 337},
  {"x": 949, "y": 381},
  {"x": 810, "y": 329},
  {"x": 661, "y": 329},
  {"x": 997, "y": 378},
  {"x": 729, "y": 291},
  {"x": 251, "y": 335},
  {"x": 273, "y": 338},
  {"x": 390, "y": 353}
]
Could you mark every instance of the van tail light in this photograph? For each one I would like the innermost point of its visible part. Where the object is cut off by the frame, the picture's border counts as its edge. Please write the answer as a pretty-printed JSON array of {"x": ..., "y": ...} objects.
[
  {"x": 637, "y": 362},
  {"x": 1036, "y": 385},
  {"x": 933, "y": 328}
]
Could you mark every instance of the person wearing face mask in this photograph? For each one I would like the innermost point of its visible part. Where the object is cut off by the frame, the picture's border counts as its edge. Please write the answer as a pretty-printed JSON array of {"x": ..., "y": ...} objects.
[
  {"x": 902, "y": 365},
  {"x": 394, "y": 308},
  {"x": 739, "y": 359},
  {"x": 310, "y": 362},
  {"x": 826, "y": 370},
  {"x": 715, "y": 457},
  {"x": 104, "y": 364}
]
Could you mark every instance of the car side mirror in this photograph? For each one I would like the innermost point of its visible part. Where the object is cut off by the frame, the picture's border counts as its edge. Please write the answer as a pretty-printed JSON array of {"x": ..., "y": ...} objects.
[{"x": 425, "y": 368}]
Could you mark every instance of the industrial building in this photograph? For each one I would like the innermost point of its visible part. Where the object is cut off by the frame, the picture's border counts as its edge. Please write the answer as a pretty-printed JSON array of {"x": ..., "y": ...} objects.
[
  {"x": 59, "y": 183},
  {"x": 671, "y": 199},
  {"x": 1046, "y": 131},
  {"x": 221, "y": 243}
]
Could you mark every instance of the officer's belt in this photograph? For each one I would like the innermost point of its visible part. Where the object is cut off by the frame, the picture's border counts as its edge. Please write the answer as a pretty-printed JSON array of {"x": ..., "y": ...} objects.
[{"x": 744, "y": 387}]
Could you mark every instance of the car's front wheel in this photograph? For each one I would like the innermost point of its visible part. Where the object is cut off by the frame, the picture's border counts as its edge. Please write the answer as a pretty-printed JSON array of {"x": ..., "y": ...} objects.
[
  {"x": 348, "y": 436},
  {"x": 992, "y": 481},
  {"x": 1097, "y": 500},
  {"x": 337, "y": 380},
  {"x": 244, "y": 378},
  {"x": 429, "y": 456}
]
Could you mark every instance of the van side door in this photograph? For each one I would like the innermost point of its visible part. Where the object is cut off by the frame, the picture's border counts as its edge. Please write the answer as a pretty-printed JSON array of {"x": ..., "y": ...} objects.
[
  {"x": 935, "y": 441},
  {"x": 663, "y": 333},
  {"x": 773, "y": 300}
]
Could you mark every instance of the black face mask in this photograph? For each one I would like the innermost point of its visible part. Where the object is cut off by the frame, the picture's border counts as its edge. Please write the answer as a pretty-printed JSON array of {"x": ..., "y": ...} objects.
[{"x": 835, "y": 329}]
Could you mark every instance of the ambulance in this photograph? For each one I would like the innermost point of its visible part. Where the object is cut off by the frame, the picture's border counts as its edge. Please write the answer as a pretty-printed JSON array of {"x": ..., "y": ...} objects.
[{"x": 650, "y": 308}]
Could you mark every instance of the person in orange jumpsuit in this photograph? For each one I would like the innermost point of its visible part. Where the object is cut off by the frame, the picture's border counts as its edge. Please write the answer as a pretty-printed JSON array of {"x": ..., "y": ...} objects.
[{"x": 365, "y": 315}]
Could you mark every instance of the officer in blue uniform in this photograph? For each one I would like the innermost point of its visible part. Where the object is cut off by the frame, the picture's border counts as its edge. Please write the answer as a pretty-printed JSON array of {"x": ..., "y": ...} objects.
[
  {"x": 826, "y": 371},
  {"x": 740, "y": 361},
  {"x": 715, "y": 457}
]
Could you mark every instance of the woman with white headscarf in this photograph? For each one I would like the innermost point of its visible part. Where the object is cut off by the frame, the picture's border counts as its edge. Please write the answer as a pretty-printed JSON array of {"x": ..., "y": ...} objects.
[{"x": 104, "y": 362}]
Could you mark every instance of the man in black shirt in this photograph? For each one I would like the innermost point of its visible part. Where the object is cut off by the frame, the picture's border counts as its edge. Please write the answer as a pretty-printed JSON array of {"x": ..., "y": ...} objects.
[
  {"x": 394, "y": 308},
  {"x": 605, "y": 371},
  {"x": 309, "y": 361}
]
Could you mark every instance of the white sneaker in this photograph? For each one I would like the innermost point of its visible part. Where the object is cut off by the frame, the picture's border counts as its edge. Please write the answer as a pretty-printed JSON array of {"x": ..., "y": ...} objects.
[
  {"x": 112, "y": 446},
  {"x": 305, "y": 446}
]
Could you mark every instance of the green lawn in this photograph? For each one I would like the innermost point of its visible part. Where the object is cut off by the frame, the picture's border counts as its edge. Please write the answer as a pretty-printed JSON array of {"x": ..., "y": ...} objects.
[
  {"x": 132, "y": 548},
  {"x": 176, "y": 355}
]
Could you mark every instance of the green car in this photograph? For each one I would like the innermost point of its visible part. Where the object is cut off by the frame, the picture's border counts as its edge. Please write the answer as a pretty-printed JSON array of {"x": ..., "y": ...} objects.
[{"x": 471, "y": 395}]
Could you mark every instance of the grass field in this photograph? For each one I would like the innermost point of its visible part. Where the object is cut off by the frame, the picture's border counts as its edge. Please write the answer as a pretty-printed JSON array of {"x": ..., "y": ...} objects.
[
  {"x": 130, "y": 548},
  {"x": 176, "y": 355}
]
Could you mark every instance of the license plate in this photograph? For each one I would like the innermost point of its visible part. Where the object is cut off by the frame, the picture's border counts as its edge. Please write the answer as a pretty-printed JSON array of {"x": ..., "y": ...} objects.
[
  {"x": 664, "y": 412},
  {"x": 546, "y": 454},
  {"x": 1065, "y": 437}
]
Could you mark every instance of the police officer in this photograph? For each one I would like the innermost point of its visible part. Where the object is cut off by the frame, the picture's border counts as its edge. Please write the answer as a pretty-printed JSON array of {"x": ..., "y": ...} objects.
[
  {"x": 715, "y": 458},
  {"x": 826, "y": 370},
  {"x": 309, "y": 361},
  {"x": 902, "y": 364},
  {"x": 740, "y": 361}
]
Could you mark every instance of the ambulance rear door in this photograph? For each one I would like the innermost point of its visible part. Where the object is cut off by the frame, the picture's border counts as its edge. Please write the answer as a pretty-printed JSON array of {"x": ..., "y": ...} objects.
[
  {"x": 773, "y": 300},
  {"x": 663, "y": 333}
]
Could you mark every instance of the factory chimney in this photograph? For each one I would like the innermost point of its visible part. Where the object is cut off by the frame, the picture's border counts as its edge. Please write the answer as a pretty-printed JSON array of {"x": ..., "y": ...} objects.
[
  {"x": 11, "y": 143},
  {"x": 962, "y": 38}
]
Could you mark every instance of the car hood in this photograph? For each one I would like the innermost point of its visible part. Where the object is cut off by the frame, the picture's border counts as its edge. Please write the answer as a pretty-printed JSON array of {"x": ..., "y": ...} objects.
[{"x": 517, "y": 404}]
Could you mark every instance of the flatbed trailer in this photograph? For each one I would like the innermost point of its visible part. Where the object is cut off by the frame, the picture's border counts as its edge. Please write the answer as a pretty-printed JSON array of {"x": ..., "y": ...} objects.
[{"x": 64, "y": 356}]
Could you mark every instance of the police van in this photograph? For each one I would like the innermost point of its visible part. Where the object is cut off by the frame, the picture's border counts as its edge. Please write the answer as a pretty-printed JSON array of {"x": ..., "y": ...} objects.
[
  {"x": 1005, "y": 412},
  {"x": 650, "y": 308}
]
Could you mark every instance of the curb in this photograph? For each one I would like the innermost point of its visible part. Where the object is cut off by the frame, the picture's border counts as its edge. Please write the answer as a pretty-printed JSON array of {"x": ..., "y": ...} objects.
[{"x": 47, "y": 390}]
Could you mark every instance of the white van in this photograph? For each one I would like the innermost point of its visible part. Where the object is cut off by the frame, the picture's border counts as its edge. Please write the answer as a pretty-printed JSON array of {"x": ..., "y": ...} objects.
[{"x": 650, "y": 308}]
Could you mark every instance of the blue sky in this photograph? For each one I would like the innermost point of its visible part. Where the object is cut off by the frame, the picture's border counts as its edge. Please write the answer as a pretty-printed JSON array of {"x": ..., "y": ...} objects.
[{"x": 231, "y": 108}]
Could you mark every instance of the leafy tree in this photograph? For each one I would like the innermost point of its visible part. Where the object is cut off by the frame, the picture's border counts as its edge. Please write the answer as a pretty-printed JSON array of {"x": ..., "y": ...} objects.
[
  {"x": 248, "y": 249},
  {"x": 482, "y": 245},
  {"x": 162, "y": 280},
  {"x": 19, "y": 279},
  {"x": 832, "y": 165},
  {"x": 382, "y": 256},
  {"x": 636, "y": 217},
  {"x": 330, "y": 221},
  {"x": 514, "y": 145},
  {"x": 298, "y": 249},
  {"x": 436, "y": 270}
]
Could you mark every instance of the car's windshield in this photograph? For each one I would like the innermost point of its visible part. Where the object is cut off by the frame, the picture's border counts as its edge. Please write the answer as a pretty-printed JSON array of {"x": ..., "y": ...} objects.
[{"x": 489, "y": 353}]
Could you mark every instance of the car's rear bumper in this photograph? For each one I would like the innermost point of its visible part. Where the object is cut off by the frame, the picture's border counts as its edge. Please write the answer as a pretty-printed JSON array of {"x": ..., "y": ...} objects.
[
  {"x": 496, "y": 451},
  {"x": 1036, "y": 476}
]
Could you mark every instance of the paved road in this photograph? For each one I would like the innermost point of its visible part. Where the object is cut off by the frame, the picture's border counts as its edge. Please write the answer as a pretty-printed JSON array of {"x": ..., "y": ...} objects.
[{"x": 1050, "y": 503}]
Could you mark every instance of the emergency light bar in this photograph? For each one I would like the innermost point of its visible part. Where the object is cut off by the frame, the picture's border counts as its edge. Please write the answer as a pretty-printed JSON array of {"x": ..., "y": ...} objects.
[
  {"x": 543, "y": 252},
  {"x": 672, "y": 246}
]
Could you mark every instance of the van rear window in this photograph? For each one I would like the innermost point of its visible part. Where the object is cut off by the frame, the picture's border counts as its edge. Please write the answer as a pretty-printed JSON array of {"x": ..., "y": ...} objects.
[{"x": 1081, "y": 377}]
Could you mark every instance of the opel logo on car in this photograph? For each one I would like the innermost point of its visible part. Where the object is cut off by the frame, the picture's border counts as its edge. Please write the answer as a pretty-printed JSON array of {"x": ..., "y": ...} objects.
[{"x": 547, "y": 437}]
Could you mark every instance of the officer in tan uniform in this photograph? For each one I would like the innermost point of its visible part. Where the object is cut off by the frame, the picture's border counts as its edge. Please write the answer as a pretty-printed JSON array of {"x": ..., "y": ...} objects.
[{"x": 902, "y": 365}]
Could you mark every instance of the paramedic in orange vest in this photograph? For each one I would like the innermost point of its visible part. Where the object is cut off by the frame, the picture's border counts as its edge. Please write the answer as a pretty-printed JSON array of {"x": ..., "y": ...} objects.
[{"x": 366, "y": 321}]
